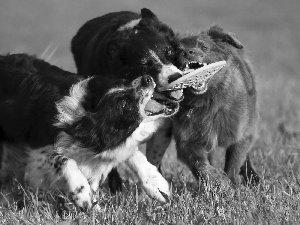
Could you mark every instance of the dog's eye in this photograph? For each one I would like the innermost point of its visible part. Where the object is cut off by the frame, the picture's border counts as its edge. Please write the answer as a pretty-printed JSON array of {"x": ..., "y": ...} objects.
[
  {"x": 204, "y": 48},
  {"x": 169, "y": 52},
  {"x": 146, "y": 62},
  {"x": 122, "y": 105},
  {"x": 202, "y": 45}
]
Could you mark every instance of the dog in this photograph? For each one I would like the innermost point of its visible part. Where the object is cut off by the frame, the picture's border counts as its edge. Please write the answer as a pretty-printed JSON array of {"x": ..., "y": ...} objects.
[
  {"x": 225, "y": 116},
  {"x": 60, "y": 130},
  {"x": 124, "y": 44}
]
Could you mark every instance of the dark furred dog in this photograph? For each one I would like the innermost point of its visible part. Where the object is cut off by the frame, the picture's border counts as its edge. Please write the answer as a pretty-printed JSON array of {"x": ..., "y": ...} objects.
[
  {"x": 62, "y": 131},
  {"x": 124, "y": 44},
  {"x": 224, "y": 116}
]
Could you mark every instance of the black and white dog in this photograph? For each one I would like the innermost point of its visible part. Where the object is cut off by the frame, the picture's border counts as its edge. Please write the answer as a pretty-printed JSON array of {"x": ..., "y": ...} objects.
[
  {"x": 124, "y": 45},
  {"x": 59, "y": 130}
]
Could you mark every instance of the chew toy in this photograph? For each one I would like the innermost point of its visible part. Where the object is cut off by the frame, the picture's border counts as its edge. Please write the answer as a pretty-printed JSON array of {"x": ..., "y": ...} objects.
[{"x": 196, "y": 78}]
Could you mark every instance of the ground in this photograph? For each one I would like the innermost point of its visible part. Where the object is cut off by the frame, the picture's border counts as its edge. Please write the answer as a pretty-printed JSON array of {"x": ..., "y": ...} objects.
[{"x": 269, "y": 30}]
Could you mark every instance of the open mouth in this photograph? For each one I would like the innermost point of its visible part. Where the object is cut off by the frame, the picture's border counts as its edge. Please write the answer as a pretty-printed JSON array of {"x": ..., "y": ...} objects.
[
  {"x": 160, "y": 105},
  {"x": 192, "y": 65},
  {"x": 174, "y": 95},
  {"x": 198, "y": 87}
]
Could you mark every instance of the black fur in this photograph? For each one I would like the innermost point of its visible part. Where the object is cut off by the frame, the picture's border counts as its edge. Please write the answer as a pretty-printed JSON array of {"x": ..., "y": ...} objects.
[
  {"x": 99, "y": 47},
  {"x": 29, "y": 91},
  {"x": 39, "y": 115}
]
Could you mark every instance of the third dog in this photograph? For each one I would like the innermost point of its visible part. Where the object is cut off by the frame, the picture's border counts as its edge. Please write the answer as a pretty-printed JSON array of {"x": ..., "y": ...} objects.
[{"x": 224, "y": 116}]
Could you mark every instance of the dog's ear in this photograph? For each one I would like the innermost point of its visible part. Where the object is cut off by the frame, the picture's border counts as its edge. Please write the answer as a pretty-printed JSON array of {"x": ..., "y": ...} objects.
[
  {"x": 150, "y": 21},
  {"x": 217, "y": 32},
  {"x": 82, "y": 130}
]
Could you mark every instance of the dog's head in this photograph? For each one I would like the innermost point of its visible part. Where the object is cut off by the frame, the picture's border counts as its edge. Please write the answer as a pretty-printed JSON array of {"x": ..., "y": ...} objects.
[
  {"x": 104, "y": 114},
  {"x": 209, "y": 46},
  {"x": 134, "y": 101},
  {"x": 144, "y": 46}
]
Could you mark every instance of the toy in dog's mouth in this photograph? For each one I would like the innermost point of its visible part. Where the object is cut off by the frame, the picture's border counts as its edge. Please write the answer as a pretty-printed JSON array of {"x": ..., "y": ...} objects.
[
  {"x": 160, "y": 105},
  {"x": 196, "y": 75}
]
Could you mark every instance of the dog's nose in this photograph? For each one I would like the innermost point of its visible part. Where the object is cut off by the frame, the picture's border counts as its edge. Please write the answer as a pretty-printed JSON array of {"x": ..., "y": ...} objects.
[
  {"x": 146, "y": 80},
  {"x": 191, "y": 54},
  {"x": 174, "y": 77}
]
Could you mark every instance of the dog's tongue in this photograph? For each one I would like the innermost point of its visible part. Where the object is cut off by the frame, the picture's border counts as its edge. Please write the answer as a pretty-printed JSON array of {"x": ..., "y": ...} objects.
[{"x": 153, "y": 106}]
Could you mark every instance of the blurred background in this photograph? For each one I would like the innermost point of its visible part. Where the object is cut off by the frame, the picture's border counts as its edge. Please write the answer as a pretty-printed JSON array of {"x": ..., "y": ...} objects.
[{"x": 269, "y": 30}]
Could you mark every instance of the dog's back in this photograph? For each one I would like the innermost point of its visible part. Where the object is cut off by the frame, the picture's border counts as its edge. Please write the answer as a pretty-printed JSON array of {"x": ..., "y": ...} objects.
[
  {"x": 95, "y": 30},
  {"x": 28, "y": 88}
]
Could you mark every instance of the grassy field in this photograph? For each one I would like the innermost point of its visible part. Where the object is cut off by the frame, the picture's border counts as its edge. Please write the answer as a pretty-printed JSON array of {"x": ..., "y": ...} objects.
[{"x": 270, "y": 31}]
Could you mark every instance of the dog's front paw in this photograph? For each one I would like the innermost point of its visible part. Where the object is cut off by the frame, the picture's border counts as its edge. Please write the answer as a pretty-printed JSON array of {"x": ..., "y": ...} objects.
[
  {"x": 79, "y": 188},
  {"x": 155, "y": 185},
  {"x": 82, "y": 196}
]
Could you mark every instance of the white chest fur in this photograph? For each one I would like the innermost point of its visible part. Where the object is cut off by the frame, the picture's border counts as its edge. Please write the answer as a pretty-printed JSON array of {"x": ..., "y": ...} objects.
[{"x": 95, "y": 167}]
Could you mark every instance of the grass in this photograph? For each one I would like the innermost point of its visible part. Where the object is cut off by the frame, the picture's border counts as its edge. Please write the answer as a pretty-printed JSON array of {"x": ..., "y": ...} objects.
[{"x": 275, "y": 201}]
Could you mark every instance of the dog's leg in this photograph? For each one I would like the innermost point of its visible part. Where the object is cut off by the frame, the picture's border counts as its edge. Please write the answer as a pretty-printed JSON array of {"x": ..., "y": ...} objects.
[
  {"x": 13, "y": 160},
  {"x": 196, "y": 160},
  {"x": 5, "y": 179},
  {"x": 2, "y": 167},
  {"x": 114, "y": 181},
  {"x": 236, "y": 156},
  {"x": 153, "y": 183},
  {"x": 159, "y": 142},
  {"x": 156, "y": 147},
  {"x": 47, "y": 169},
  {"x": 249, "y": 174}
]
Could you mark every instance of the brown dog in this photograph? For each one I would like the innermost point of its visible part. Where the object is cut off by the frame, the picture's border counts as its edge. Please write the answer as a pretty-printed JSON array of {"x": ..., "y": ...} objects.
[{"x": 224, "y": 116}]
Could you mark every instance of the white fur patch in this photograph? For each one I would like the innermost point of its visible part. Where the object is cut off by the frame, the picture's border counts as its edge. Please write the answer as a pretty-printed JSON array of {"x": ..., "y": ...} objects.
[
  {"x": 146, "y": 129},
  {"x": 41, "y": 172},
  {"x": 96, "y": 167},
  {"x": 152, "y": 182},
  {"x": 155, "y": 56},
  {"x": 114, "y": 90},
  {"x": 70, "y": 108},
  {"x": 166, "y": 70},
  {"x": 131, "y": 24},
  {"x": 78, "y": 185}
]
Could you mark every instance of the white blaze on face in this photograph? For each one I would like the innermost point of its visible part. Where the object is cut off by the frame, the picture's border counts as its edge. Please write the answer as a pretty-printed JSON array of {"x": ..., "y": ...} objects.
[
  {"x": 131, "y": 24},
  {"x": 166, "y": 70}
]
